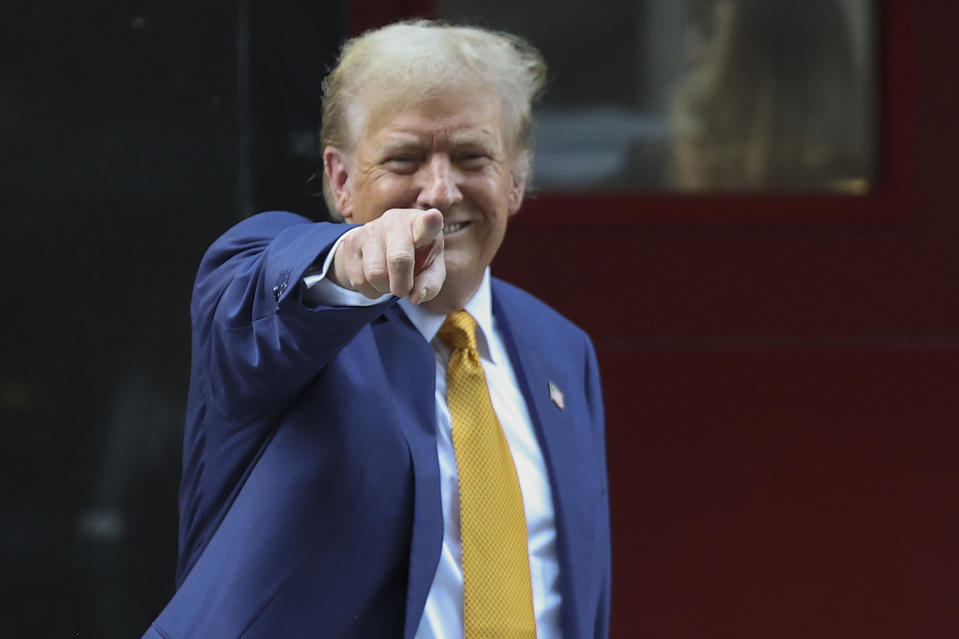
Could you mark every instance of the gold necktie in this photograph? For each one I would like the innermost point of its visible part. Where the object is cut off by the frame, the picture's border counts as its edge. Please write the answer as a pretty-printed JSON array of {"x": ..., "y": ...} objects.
[{"x": 497, "y": 595}]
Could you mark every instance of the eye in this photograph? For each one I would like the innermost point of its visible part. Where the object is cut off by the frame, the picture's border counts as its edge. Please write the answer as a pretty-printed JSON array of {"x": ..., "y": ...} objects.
[
  {"x": 472, "y": 159},
  {"x": 401, "y": 163}
]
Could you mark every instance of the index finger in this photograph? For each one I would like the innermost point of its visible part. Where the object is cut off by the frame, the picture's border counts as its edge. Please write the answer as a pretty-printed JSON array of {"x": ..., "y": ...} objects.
[{"x": 426, "y": 228}]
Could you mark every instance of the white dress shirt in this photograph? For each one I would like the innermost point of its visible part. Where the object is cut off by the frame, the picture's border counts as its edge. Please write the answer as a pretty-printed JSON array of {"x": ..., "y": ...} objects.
[{"x": 443, "y": 613}]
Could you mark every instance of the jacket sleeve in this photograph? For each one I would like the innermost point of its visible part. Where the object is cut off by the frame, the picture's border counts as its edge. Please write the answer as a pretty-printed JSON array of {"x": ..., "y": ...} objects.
[{"x": 256, "y": 342}]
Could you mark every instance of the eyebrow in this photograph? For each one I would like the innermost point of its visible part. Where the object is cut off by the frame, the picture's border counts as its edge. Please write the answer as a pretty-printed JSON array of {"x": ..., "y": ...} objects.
[
  {"x": 399, "y": 144},
  {"x": 479, "y": 138}
]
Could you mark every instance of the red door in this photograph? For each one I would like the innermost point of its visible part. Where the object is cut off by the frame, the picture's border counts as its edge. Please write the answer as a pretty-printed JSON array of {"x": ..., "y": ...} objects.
[{"x": 781, "y": 376}]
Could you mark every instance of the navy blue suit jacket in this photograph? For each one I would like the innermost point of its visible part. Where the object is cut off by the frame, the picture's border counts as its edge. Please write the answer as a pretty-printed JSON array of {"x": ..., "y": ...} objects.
[{"x": 310, "y": 496}]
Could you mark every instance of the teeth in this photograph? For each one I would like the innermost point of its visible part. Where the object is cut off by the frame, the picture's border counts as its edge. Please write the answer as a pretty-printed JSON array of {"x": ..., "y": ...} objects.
[{"x": 452, "y": 228}]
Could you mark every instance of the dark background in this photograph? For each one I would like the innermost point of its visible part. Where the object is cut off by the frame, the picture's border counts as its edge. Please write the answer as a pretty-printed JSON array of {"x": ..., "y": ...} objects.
[
  {"x": 131, "y": 135},
  {"x": 781, "y": 372}
]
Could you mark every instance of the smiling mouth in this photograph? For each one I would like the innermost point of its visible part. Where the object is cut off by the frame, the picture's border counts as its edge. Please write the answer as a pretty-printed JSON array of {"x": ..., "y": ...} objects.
[{"x": 453, "y": 228}]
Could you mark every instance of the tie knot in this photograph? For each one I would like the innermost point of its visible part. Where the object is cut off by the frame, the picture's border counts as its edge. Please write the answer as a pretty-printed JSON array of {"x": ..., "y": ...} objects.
[{"x": 459, "y": 330}]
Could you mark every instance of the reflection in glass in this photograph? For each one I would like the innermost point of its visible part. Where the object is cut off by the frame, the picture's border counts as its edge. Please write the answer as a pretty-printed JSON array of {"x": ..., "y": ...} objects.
[{"x": 699, "y": 94}]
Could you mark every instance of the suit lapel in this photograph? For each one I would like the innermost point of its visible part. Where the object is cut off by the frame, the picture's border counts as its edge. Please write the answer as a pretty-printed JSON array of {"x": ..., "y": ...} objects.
[
  {"x": 402, "y": 348},
  {"x": 535, "y": 368}
]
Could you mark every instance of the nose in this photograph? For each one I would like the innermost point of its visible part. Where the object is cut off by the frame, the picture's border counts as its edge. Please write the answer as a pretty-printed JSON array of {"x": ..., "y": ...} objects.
[{"x": 439, "y": 188}]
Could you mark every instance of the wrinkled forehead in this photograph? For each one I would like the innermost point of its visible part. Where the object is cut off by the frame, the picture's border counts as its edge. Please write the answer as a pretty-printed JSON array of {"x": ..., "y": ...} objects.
[{"x": 387, "y": 103}]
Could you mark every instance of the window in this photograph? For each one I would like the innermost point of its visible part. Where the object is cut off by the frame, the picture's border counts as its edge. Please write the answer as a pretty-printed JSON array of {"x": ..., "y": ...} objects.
[{"x": 699, "y": 95}]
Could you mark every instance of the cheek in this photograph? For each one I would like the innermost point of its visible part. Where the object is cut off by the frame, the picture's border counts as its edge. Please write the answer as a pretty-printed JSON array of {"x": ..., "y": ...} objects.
[
  {"x": 385, "y": 191},
  {"x": 494, "y": 187}
]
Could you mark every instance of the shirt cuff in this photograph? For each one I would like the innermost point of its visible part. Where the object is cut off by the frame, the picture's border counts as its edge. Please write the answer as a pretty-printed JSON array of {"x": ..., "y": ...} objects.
[{"x": 318, "y": 290}]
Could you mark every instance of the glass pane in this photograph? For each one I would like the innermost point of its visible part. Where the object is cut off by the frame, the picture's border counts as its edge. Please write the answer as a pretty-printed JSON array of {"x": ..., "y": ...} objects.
[{"x": 739, "y": 95}]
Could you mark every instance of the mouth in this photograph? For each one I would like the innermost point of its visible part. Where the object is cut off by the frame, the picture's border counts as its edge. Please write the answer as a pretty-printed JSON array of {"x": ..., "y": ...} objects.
[{"x": 453, "y": 228}]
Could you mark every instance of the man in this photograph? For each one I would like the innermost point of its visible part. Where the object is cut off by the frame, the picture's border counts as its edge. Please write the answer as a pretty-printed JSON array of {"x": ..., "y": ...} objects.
[{"x": 383, "y": 441}]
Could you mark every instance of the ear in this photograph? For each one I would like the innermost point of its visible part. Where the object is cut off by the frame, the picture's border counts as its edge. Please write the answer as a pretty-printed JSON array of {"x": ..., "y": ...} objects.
[
  {"x": 337, "y": 166},
  {"x": 517, "y": 190}
]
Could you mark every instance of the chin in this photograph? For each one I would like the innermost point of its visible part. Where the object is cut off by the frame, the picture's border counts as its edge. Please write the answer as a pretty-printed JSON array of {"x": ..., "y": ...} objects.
[{"x": 462, "y": 271}]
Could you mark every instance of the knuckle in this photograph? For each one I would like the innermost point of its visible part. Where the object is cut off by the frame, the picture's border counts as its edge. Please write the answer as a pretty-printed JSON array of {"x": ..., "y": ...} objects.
[
  {"x": 392, "y": 216},
  {"x": 358, "y": 280},
  {"x": 354, "y": 238},
  {"x": 376, "y": 273},
  {"x": 399, "y": 260}
]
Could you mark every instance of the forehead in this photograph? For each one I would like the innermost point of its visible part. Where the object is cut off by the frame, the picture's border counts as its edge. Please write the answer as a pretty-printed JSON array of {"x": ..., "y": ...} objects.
[{"x": 454, "y": 114}]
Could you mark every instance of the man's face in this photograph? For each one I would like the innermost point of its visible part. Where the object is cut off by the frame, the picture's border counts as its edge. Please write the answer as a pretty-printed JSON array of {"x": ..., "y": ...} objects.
[{"x": 448, "y": 153}]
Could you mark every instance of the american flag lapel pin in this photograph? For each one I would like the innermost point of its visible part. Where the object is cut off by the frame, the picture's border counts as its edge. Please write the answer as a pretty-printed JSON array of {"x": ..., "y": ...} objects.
[{"x": 556, "y": 395}]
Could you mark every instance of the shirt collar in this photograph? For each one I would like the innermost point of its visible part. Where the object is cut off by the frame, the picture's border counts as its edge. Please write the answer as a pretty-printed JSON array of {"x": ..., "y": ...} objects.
[{"x": 480, "y": 306}]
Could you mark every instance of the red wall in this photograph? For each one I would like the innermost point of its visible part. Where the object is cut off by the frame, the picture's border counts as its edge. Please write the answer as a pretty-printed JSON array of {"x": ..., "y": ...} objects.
[
  {"x": 781, "y": 377},
  {"x": 783, "y": 396}
]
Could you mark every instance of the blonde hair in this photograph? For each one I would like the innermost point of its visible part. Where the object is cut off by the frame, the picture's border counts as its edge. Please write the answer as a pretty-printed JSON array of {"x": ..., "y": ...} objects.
[{"x": 413, "y": 61}]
